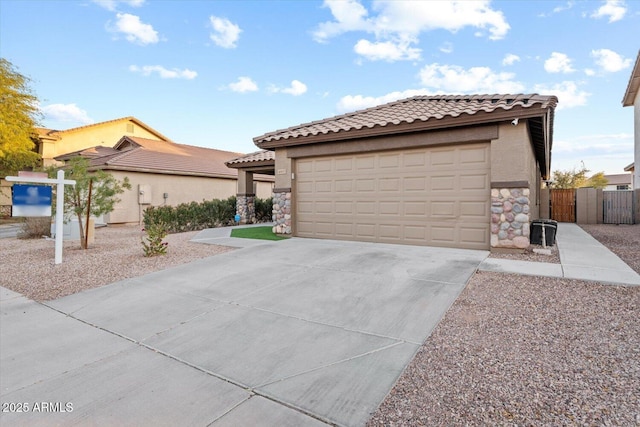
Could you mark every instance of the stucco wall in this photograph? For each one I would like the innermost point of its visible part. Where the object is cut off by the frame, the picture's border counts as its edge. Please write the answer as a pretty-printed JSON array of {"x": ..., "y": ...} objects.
[
  {"x": 179, "y": 189},
  {"x": 106, "y": 135},
  {"x": 636, "y": 138},
  {"x": 513, "y": 159}
]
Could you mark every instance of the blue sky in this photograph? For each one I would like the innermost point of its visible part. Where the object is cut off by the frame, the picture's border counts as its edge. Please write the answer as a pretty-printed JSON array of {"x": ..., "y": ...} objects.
[{"x": 218, "y": 73}]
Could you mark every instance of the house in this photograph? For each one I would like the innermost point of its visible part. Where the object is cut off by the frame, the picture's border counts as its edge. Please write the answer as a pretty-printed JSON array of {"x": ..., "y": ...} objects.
[
  {"x": 54, "y": 143},
  {"x": 631, "y": 169},
  {"x": 455, "y": 171},
  {"x": 620, "y": 181},
  {"x": 165, "y": 173},
  {"x": 632, "y": 98}
]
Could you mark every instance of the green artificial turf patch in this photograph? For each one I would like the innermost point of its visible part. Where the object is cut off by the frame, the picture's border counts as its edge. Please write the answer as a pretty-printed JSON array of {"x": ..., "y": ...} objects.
[{"x": 261, "y": 233}]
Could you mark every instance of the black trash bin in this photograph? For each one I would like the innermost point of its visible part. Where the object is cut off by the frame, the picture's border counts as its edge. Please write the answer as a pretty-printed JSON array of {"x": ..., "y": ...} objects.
[{"x": 550, "y": 229}]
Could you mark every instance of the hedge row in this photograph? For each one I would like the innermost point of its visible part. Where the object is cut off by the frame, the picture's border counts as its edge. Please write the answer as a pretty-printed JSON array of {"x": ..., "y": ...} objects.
[{"x": 198, "y": 216}]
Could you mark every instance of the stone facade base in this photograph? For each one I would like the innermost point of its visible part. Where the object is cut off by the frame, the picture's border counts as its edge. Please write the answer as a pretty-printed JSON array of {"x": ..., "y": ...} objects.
[
  {"x": 510, "y": 218},
  {"x": 282, "y": 212},
  {"x": 246, "y": 208}
]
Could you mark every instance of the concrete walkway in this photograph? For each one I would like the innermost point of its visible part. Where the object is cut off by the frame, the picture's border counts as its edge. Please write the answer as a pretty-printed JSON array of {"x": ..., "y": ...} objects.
[{"x": 581, "y": 257}]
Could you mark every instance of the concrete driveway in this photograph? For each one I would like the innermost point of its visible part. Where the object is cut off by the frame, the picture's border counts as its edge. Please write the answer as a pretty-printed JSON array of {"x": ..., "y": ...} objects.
[{"x": 296, "y": 332}]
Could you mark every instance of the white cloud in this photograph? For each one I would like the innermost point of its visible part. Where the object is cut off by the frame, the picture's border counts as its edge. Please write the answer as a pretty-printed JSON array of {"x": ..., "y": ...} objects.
[
  {"x": 558, "y": 63},
  {"x": 610, "y": 61},
  {"x": 112, "y": 5},
  {"x": 386, "y": 51},
  {"x": 510, "y": 59},
  {"x": 358, "y": 102},
  {"x": 297, "y": 88},
  {"x": 603, "y": 152},
  {"x": 164, "y": 73},
  {"x": 455, "y": 79},
  {"x": 396, "y": 24},
  {"x": 225, "y": 33},
  {"x": 446, "y": 47},
  {"x": 66, "y": 113},
  {"x": 135, "y": 30},
  {"x": 350, "y": 15},
  {"x": 589, "y": 72},
  {"x": 568, "y": 93},
  {"x": 243, "y": 85},
  {"x": 614, "y": 9}
]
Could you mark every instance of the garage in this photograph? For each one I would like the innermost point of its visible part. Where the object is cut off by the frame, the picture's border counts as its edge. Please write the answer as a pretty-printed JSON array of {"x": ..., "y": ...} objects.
[
  {"x": 461, "y": 171},
  {"x": 424, "y": 196}
]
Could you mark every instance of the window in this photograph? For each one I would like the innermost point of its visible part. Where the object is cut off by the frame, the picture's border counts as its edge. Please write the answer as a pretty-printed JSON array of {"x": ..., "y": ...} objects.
[{"x": 623, "y": 187}]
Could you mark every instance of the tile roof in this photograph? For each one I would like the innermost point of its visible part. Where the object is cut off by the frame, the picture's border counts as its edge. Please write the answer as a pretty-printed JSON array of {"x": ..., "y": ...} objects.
[
  {"x": 148, "y": 155},
  {"x": 53, "y": 133},
  {"x": 257, "y": 157},
  {"x": 418, "y": 110},
  {"x": 633, "y": 86}
]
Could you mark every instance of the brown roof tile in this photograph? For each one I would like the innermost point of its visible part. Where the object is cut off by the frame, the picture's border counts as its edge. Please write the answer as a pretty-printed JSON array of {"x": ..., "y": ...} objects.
[
  {"x": 418, "y": 109},
  {"x": 258, "y": 156},
  {"x": 148, "y": 155}
]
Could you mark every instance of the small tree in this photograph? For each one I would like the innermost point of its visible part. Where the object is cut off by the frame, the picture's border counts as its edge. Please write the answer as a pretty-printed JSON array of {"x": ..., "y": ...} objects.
[
  {"x": 104, "y": 191},
  {"x": 570, "y": 179},
  {"x": 597, "y": 180},
  {"x": 19, "y": 115}
]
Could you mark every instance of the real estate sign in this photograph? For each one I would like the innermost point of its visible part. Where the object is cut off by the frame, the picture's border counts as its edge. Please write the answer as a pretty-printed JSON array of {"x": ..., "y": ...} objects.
[{"x": 31, "y": 200}]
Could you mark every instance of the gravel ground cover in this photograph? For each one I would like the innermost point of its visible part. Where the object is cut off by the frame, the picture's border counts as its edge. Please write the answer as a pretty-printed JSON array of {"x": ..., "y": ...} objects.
[
  {"x": 530, "y": 255},
  {"x": 28, "y": 265},
  {"x": 529, "y": 351},
  {"x": 622, "y": 240}
]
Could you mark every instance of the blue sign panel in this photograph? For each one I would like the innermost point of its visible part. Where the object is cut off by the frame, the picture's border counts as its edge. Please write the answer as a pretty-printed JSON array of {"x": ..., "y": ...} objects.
[{"x": 31, "y": 200}]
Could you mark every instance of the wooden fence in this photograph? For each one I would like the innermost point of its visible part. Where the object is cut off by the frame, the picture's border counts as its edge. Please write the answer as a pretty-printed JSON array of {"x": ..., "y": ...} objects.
[
  {"x": 563, "y": 205},
  {"x": 618, "y": 207}
]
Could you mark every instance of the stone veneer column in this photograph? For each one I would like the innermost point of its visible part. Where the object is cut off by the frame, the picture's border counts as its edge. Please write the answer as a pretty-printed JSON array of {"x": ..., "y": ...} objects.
[
  {"x": 510, "y": 218},
  {"x": 246, "y": 208},
  {"x": 281, "y": 213}
]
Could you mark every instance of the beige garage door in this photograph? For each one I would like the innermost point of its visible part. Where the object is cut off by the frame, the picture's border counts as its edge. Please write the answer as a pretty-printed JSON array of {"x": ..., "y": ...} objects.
[{"x": 427, "y": 196}]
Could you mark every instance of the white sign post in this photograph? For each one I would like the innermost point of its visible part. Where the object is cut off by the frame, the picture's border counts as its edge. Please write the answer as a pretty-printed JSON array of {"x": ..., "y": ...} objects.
[{"x": 60, "y": 182}]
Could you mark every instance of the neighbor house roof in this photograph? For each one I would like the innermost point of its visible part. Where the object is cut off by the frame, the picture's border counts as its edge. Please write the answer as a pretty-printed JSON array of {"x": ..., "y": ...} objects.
[
  {"x": 633, "y": 86},
  {"x": 54, "y": 134},
  {"x": 630, "y": 167},
  {"x": 423, "y": 113},
  {"x": 619, "y": 179},
  {"x": 147, "y": 155}
]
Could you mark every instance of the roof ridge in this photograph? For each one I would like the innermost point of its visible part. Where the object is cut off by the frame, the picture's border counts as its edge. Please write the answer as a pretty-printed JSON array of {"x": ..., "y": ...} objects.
[{"x": 337, "y": 123}]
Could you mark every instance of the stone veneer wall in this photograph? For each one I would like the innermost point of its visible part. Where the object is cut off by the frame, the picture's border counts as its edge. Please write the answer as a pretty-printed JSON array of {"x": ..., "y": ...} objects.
[
  {"x": 282, "y": 211},
  {"x": 246, "y": 208},
  {"x": 510, "y": 218}
]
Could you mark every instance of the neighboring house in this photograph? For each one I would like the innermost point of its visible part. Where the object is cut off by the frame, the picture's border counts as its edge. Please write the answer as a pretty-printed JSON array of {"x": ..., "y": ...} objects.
[
  {"x": 632, "y": 98},
  {"x": 54, "y": 143},
  {"x": 621, "y": 181},
  {"x": 456, "y": 171},
  {"x": 165, "y": 173},
  {"x": 631, "y": 169}
]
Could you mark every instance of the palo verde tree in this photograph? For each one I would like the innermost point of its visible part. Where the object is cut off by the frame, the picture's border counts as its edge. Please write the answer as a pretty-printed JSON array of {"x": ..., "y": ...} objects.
[
  {"x": 578, "y": 179},
  {"x": 104, "y": 191},
  {"x": 19, "y": 115}
]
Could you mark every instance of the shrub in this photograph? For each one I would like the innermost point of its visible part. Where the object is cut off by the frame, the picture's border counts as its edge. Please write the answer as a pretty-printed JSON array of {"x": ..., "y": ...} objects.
[
  {"x": 264, "y": 209},
  {"x": 35, "y": 228},
  {"x": 192, "y": 216},
  {"x": 152, "y": 243}
]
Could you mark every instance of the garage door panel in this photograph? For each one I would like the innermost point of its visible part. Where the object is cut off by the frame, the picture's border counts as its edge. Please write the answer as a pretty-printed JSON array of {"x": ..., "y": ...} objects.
[
  {"x": 420, "y": 196},
  {"x": 414, "y": 183}
]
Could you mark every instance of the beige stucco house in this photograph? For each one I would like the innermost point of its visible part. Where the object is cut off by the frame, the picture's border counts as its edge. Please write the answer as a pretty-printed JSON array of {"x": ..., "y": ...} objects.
[
  {"x": 53, "y": 143},
  {"x": 454, "y": 171},
  {"x": 166, "y": 173},
  {"x": 632, "y": 98}
]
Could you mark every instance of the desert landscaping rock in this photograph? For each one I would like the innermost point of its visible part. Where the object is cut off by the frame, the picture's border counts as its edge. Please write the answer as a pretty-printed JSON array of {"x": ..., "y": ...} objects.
[{"x": 28, "y": 268}]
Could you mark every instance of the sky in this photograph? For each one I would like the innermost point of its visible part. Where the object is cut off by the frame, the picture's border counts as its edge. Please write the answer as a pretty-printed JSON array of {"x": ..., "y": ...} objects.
[{"x": 219, "y": 73}]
